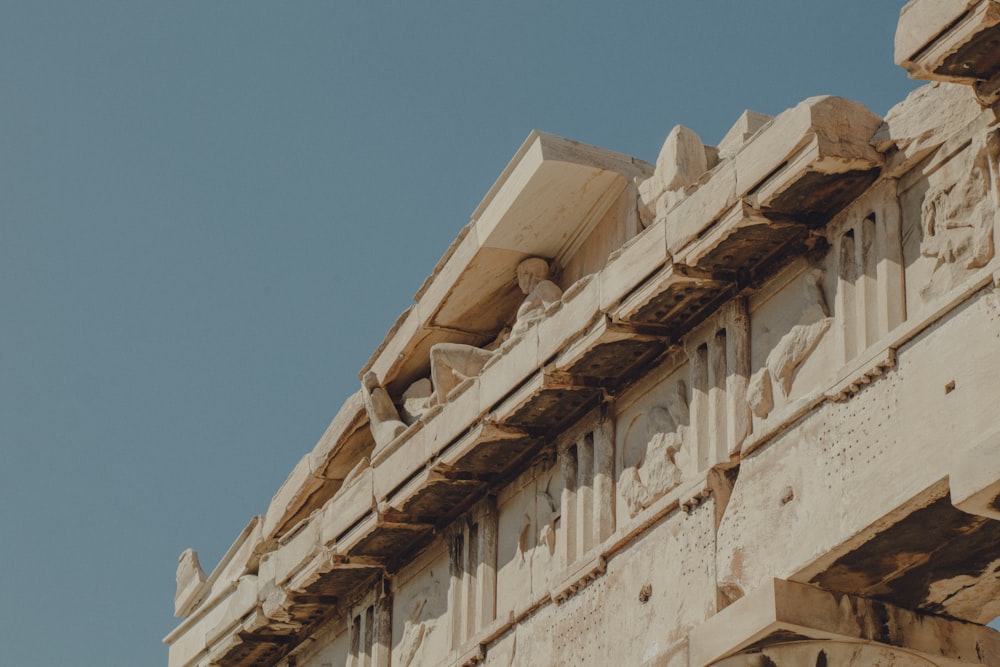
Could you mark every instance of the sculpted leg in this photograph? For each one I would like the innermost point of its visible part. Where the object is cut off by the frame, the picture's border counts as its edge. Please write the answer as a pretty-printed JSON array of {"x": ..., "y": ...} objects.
[{"x": 451, "y": 363}]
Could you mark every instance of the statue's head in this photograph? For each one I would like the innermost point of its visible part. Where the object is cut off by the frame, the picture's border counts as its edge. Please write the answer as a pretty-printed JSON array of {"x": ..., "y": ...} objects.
[{"x": 530, "y": 272}]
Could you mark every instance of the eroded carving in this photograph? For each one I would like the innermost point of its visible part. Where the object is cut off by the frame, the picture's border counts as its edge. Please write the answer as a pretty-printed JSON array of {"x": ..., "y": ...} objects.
[
  {"x": 453, "y": 363},
  {"x": 793, "y": 348},
  {"x": 548, "y": 516},
  {"x": 957, "y": 219},
  {"x": 416, "y": 400},
  {"x": 661, "y": 463},
  {"x": 417, "y": 627},
  {"x": 383, "y": 417},
  {"x": 192, "y": 584},
  {"x": 524, "y": 537},
  {"x": 682, "y": 161}
]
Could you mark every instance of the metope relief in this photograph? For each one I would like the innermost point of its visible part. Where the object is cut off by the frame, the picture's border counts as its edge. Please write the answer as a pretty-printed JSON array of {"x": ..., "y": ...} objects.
[
  {"x": 792, "y": 350},
  {"x": 419, "y": 625},
  {"x": 547, "y": 519},
  {"x": 653, "y": 454},
  {"x": 957, "y": 218}
]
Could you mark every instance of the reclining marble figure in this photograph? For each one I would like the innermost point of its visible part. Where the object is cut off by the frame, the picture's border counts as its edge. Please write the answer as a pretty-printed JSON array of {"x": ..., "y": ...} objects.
[{"x": 452, "y": 363}]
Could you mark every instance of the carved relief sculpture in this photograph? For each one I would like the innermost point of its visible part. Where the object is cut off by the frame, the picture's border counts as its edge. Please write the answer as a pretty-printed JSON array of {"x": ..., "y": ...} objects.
[
  {"x": 682, "y": 161},
  {"x": 793, "y": 348},
  {"x": 453, "y": 363},
  {"x": 661, "y": 465},
  {"x": 416, "y": 628},
  {"x": 416, "y": 400},
  {"x": 548, "y": 516},
  {"x": 957, "y": 219}
]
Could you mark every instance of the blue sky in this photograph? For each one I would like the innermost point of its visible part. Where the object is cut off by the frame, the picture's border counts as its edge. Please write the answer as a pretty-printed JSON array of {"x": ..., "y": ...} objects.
[{"x": 212, "y": 212}]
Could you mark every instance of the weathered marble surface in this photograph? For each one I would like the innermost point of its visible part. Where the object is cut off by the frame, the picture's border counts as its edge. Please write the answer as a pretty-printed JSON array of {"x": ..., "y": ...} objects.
[{"x": 745, "y": 415}]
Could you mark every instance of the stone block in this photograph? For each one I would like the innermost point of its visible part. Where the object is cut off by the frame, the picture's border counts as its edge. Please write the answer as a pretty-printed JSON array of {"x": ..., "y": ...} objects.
[
  {"x": 545, "y": 203},
  {"x": 925, "y": 120},
  {"x": 353, "y": 501},
  {"x": 974, "y": 478},
  {"x": 219, "y": 622},
  {"x": 462, "y": 411},
  {"x": 787, "y": 612},
  {"x": 299, "y": 484},
  {"x": 293, "y": 552},
  {"x": 242, "y": 556},
  {"x": 326, "y": 455},
  {"x": 192, "y": 584},
  {"x": 682, "y": 160},
  {"x": 579, "y": 307},
  {"x": 949, "y": 40},
  {"x": 702, "y": 207},
  {"x": 742, "y": 239},
  {"x": 673, "y": 296},
  {"x": 745, "y": 127},
  {"x": 607, "y": 352},
  {"x": 397, "y": 464},
  {"x": 803, "y": 160},
  {"x": 514, "y": 361},
  {"x": 632, "y": 263},
  {"x": 922, "y": 21}
]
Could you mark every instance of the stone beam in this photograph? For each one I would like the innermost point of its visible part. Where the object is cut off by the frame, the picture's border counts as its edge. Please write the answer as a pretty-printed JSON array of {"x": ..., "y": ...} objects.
[
  {"x": 784, "y": 612},
  {"x": 319, "y": 474},
  {"x": 974, "y": 478},
  {"x": 952, "y": 40},
  {"x": 808, "y": 163}
]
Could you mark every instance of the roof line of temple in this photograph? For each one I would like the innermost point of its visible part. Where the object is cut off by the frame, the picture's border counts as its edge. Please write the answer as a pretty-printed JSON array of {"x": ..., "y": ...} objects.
[{"x": 405, "y": 454}]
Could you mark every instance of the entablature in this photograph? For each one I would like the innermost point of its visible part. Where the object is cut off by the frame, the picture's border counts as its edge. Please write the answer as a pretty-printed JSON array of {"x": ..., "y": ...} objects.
[{"x": 357, "y": 506}]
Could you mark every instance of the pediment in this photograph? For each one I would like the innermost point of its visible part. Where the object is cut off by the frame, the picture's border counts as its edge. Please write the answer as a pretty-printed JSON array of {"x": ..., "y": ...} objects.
[{"x": 544, "y": 204}]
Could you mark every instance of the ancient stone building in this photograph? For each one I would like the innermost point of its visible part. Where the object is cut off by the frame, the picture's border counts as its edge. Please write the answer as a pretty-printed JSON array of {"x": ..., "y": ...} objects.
[{"x": 736, "y": 408}]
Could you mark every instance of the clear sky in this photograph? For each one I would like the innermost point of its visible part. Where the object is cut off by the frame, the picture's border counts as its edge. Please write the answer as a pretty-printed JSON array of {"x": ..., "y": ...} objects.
[{"x": 211, "y": 212}]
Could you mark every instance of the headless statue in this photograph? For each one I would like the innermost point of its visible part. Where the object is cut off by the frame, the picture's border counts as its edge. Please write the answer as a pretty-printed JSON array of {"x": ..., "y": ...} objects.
[
  {"x": 383, "y": 417},
  {"x": 452, "y": 363}
]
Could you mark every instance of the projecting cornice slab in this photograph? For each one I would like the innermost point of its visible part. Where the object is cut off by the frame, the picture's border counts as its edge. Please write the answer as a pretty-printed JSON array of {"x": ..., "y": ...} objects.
[
  {"x": 952, "y": 40},
  {"x": 355, "y": 500},
  {"x": 795, "y": 619},
  {"x": 544, "y": 204}
]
